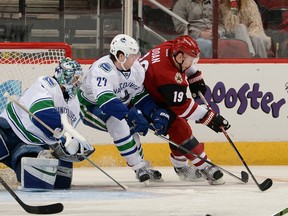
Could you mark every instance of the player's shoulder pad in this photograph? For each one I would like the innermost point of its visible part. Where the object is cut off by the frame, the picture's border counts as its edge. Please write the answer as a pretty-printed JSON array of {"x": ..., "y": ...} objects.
[
  {"x": 48, "y": 81},
  {"x": 105, "y": 66}
]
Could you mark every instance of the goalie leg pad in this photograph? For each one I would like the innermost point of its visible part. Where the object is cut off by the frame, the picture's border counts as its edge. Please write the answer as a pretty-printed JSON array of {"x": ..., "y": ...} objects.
[
  {"x": 38, "y": 174},
  {"x": 64, "y": 175},
  {"x": 23, "y": 150}
]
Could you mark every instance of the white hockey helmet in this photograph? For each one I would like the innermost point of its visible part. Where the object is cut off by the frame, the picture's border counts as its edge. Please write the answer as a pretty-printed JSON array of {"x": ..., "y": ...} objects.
[
  {"x": 125, "y": 44},
  {"x": 69, "y": 75}
]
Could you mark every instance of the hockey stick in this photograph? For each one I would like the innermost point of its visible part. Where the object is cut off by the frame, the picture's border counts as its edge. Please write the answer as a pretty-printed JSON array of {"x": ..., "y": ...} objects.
[
  {"x": 88, "y": 159},
  {"x": 6, "y": 94},
  {"x": 284, "y": 211},
  {"x": 45, "y": 209},
  {"x": 264, "y": 185},
  {"x": 244, "y": 176}
]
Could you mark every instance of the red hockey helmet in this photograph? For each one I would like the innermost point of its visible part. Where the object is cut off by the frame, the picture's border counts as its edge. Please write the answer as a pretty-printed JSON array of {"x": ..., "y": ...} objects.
[{"x": 186, "y": 44}]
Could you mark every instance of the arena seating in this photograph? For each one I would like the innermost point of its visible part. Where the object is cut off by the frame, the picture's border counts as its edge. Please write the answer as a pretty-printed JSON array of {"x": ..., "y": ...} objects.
[{"x": 274, "y": 4}]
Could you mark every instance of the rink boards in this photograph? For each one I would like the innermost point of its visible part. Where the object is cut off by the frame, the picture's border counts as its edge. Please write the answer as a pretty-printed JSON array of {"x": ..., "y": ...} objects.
[{"x": 251, "y": 96}]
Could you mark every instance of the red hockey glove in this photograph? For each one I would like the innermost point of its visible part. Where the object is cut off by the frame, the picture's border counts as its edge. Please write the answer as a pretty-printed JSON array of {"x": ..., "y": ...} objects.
[
  {"x": 214, "y": 121},
  {"x": 196, "y": 83}
]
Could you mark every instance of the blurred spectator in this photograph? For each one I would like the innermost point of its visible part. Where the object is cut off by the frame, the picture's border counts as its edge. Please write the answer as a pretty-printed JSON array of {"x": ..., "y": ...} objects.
[
  {"x": 199, "y": 13},
  {"x": 242, "y": 20},
  {"x": 282, "y": 44}
]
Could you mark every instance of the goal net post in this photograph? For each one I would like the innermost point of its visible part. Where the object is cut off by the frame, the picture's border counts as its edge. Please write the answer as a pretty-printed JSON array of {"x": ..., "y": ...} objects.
[{"x": 22, "y": 63}]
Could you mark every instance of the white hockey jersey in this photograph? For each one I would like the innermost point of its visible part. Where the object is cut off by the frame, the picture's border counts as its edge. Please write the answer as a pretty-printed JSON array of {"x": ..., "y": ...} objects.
[
  {"x": 104, "y": 80},
  {"x": 45, "y": 93}
]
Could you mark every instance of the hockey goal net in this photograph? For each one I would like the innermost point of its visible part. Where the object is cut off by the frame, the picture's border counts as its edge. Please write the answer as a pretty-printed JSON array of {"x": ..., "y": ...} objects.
[{"x": 22, "y": 63}]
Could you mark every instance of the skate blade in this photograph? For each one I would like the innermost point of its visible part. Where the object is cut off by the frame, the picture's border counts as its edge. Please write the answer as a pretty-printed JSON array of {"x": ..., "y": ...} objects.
[
  {"x": 156, "y": 180},
  {"x": 216, "y": 182},
  {"x": 146, "y": 183},
  {"x": 182, "y": 178}
]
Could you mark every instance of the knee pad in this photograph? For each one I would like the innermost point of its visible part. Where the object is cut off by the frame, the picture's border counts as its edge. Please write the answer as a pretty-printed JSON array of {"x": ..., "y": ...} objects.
[
  {"x": 64, "y": 175},
  {"x": 192, "y": 145},
  {"x": 38, "y": 174},
  {"x": 189, "y": 145}
]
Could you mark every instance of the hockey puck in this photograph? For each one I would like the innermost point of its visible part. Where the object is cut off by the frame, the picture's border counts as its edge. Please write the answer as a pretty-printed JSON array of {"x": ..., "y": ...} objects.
[{"x": 208, "y": 215}]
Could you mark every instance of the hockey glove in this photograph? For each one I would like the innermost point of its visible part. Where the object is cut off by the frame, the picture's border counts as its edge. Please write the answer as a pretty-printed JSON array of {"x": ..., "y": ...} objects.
[
  {"x": 160, "y": 119},
  {"x": 196, "y": 83},
  {"x": 137, "y": 121},
  {"x": 70, "y": 149},
  {"x": 214, "y": 121}
]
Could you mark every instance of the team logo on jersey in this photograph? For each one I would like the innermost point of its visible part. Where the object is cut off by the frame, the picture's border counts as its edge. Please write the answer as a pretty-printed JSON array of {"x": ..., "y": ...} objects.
[
  {"x": 178, "y": 78},
  {"x": 106, "y": 67},
  {"x": 126, "y": 74},
  {"x": 49, "y": 80}
]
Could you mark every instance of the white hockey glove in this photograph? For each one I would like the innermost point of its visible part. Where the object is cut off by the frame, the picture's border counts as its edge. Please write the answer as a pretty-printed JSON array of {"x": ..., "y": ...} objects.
[{"x": 72, "y": 146}]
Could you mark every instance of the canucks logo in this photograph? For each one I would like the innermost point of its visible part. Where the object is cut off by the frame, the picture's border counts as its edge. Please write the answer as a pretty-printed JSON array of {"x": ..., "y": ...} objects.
[
  {"x": 123, "y": 40},
  {"x": 105, "y": 67},
  {"x": 49, "y": 80}
]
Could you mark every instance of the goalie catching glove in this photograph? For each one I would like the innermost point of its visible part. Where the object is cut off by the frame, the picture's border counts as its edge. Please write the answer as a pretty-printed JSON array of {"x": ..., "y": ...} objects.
[
  {"x": 69, "y": 149},
  {"x": 214, "y": 121},
  {"x": 71, "y": 146},
  {"x": 196, "y": 83}
]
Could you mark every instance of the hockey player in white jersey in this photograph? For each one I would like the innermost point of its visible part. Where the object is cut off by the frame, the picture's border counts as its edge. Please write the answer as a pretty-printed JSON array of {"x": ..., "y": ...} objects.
[
  {"x": 25, "y": 142},
  {"x": 113, "y": 99}
]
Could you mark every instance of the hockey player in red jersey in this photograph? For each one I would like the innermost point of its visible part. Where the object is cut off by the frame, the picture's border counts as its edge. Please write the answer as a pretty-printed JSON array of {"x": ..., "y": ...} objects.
[{"x": 170, "y": 69}]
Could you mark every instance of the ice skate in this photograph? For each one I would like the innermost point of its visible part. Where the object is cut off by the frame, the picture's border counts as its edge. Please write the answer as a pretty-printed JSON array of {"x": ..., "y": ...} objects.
[
  {"x": 155, "y": 175},
  {"x": 146, "y": 173},
  {"x": 189, "y": 173},
  {"x": 213, "y": 175},
  {"x": 142, "y": 174}
]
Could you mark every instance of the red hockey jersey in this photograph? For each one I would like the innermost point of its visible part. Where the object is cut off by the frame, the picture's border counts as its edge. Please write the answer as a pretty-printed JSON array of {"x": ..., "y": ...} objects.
[{"x": 166, "y": 84}]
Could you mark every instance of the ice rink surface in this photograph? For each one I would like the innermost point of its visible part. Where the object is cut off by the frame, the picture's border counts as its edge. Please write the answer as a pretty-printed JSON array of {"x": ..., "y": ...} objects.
[{"x": 93, "y": 193}]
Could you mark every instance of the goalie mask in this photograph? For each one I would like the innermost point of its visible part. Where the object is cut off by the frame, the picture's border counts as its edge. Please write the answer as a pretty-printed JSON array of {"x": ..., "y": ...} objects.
[{"x": 69, "y": 75}]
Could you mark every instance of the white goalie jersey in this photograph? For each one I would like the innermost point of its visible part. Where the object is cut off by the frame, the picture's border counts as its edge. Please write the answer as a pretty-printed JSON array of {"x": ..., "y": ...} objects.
[
  {"x": 104, "y": 82},
  {"x": 44, "y": 94}
]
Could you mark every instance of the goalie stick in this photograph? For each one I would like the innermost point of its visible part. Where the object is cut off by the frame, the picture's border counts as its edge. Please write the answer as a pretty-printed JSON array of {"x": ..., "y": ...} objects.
[
  {"x": 123, "y": 187},
  {"x": 244, "y": 176},
  {"x": 71, "y": 130},
  {"x": 267, "y": 182},
  {"x": 45, "y": 209}
]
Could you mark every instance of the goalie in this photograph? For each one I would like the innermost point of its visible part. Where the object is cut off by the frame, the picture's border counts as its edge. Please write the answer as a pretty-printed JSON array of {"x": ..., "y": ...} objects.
[{"x": 50, "y": 110}]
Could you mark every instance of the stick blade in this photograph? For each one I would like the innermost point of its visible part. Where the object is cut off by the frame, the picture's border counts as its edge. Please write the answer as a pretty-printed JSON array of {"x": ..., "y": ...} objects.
[
  {"x": 266, "y": 184},
  {"x": 46, "y": 209},
  {"x": 244, "y": 176}
]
